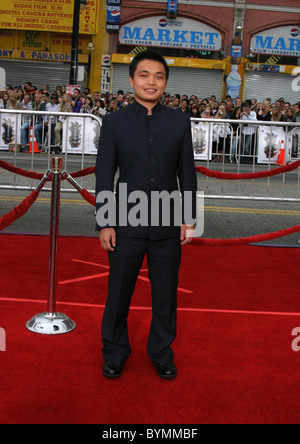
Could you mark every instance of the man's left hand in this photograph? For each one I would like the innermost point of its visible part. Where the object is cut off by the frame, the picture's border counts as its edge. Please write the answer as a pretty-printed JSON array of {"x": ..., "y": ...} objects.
[{"x": 186, "y": 234}]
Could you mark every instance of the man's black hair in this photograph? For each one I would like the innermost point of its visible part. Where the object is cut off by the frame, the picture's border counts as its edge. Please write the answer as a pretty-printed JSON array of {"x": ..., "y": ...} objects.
[
  {"x": 148, "y": 55},
  {"x": 247, "y": 104}
]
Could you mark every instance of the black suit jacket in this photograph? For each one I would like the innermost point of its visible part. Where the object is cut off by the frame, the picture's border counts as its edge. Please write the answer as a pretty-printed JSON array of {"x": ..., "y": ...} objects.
[{"x": 153, "y": 153}]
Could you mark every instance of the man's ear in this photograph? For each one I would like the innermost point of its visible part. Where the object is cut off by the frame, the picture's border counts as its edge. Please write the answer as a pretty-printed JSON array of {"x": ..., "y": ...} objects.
[{"x": 131, "y": 81}]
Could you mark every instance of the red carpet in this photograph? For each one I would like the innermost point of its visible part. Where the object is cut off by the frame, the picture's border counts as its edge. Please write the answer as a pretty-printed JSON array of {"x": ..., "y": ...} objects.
[{"x": 237, "y": 309}]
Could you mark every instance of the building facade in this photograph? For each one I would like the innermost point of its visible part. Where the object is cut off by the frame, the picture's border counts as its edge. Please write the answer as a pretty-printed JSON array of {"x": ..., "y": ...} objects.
[
  {"x": 210, "y": 40},
  {"x": 249, "y": 48},
  {"x": 36, "y": 41}
]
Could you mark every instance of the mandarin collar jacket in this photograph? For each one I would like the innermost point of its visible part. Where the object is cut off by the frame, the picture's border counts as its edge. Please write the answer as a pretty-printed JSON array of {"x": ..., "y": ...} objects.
[{"x": 150, "y": 153}]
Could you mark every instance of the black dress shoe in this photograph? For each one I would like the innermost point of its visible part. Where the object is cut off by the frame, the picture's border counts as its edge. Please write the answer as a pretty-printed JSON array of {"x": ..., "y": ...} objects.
[
  {"x": 166, "y": 370},
  {"x": 112, "y": 369}
]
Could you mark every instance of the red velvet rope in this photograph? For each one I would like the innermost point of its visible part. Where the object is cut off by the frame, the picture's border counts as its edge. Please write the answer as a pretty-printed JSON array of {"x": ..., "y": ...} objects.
[
  {"x": 205, "y": 171},
  {"x": 244, "y": 240},
  {"x": 12, "y": 169},
  {"x": 18, "y": 211},
  {"x": 246, "y": 176},
  {"x": 24, "y": 206},
  {"x": 84, "y": 172},
  {"x": 218, "y": 174},
  {"x": 88, "y": 197},
  {"x": 38, "y": 176}
]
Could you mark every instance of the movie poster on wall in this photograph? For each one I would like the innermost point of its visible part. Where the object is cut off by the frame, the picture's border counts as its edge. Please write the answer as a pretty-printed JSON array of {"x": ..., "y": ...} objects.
[
  {"x": 81, "y": 135},
  {"x": 270, "y": 140},
  {"x": 202, "y": 137},
  {"x": 293, "y": 143},
  {"x": 10, "y": 130}
]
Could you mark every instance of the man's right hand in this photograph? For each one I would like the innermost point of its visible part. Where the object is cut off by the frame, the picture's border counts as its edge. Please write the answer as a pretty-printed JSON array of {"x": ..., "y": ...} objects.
[{"x": 107, "y": 238}]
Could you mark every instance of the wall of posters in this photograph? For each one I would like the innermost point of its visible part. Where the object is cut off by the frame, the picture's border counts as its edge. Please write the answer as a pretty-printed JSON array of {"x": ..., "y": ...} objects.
[
  {"x": 10, "y": 125},
  {"x": 80, "y": 135}
]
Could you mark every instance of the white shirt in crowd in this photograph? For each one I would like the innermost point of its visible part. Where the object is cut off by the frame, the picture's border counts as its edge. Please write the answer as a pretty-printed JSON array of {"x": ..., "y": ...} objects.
[
  {"x": 52, "y": 109},
  {"x": 249, "y": 129}
]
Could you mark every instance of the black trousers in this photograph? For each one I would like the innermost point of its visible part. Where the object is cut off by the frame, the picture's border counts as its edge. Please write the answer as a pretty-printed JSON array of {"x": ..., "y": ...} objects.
[{"x": 163, "y": 258}]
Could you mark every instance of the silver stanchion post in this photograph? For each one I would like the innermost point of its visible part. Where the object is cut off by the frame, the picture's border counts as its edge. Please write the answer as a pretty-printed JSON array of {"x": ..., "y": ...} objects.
[{"x": 52, "y": 322}]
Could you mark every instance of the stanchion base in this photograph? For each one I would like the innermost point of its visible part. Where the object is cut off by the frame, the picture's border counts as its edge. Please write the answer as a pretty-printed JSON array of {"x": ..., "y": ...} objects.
[{"x": 50, "y": 324}]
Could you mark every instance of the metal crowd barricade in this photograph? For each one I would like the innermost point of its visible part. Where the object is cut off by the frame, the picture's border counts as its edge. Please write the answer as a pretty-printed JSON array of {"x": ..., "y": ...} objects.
[
  {"x": 247, "y": 147},
  {"x": 232, "y": 146},
  {"x": 81, "y": 157}
]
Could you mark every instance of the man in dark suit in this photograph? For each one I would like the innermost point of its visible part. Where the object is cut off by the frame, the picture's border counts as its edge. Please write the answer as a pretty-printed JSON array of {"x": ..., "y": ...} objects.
[{"x": 152, "y": 147}]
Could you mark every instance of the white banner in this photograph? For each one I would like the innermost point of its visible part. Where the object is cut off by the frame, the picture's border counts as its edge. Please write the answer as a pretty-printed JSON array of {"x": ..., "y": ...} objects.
[
  {"x": 10, "y": 124},
  {"x": 179, "y": 33},
  {"x": 284, "y": 40},
  {"x": 270, "y": 141},
  {"x": 80, "y": 135},
  {"x": 202, "y": 141}
]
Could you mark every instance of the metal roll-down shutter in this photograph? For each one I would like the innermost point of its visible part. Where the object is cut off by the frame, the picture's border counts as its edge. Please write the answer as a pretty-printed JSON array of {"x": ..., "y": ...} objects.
[
  {"x": 263, "y": 85},
  {"x": 201, "y": 82},
  {"x": 38, "y": 73}
]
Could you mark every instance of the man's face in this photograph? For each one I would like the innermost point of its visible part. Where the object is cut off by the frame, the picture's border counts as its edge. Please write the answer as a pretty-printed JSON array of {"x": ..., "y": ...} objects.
[{"x": 149, "y": 82}]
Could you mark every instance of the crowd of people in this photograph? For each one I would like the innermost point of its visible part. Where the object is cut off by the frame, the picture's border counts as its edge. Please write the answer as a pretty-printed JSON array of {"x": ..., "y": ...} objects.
[{"x": 28, "y": 97}]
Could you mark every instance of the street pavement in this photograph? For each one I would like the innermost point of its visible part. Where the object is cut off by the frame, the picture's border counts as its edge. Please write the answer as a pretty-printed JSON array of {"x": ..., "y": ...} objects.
[{"x": 223, "y": 217}]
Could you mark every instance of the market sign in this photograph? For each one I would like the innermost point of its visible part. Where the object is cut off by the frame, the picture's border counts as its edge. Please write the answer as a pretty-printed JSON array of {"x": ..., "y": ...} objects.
[
  {"x": 179, "y": 33},
  {"x": 284, "y": 41}
]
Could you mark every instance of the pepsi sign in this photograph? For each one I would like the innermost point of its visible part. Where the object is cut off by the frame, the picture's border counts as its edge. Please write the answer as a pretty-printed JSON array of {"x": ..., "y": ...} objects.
[
  {"x": 113, "y": 15},
  {"x": 172, "y": 9},
  {"x": 105, "y": 73},
  {"x": 295, "y": 32},
  {"x": 284, "y": 41}
]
